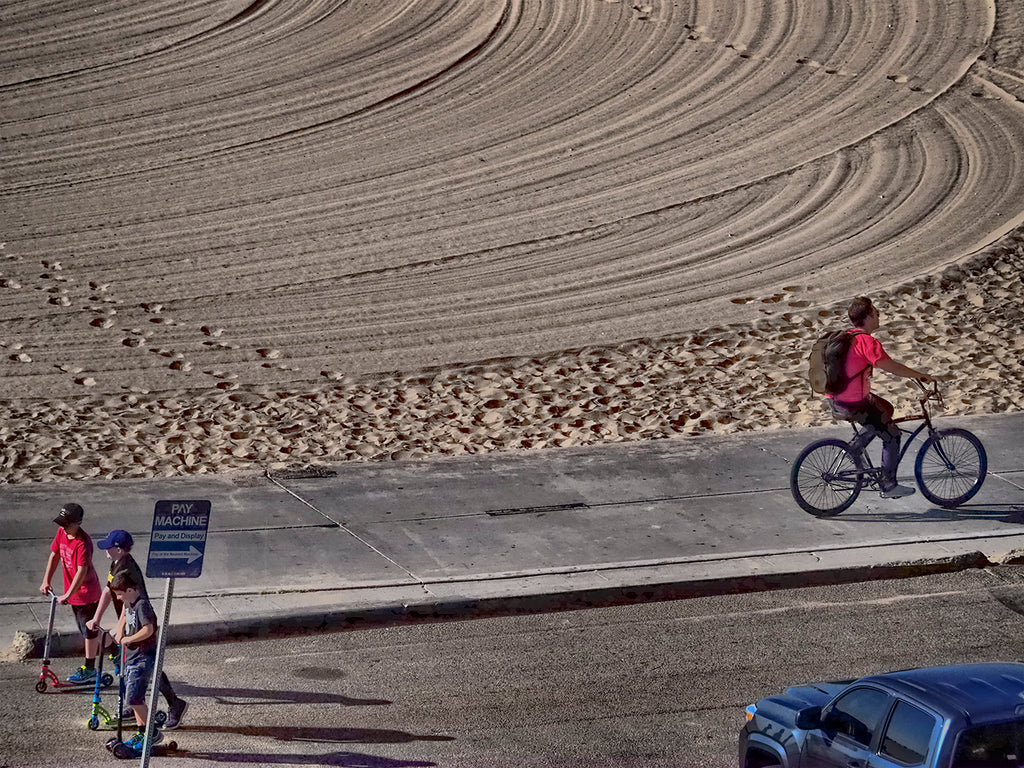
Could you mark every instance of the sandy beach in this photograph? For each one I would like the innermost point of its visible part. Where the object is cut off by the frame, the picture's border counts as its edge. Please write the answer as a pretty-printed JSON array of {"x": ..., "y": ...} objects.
[{"x": 241, "y": 237}]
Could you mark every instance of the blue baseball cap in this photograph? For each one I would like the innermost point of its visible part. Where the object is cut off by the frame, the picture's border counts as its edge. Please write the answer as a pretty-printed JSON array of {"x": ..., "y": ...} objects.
[{"x": 117, "y": 538}]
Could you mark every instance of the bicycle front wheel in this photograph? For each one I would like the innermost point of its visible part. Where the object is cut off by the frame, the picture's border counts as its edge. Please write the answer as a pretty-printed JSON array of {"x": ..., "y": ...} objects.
[
  {"x": 950, "y": 467},
  {"x": 827, "y": 478}
]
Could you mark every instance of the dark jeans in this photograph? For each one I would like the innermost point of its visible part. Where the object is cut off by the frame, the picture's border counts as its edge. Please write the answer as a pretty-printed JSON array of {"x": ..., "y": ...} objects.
[{"x": 874, "y": 415}]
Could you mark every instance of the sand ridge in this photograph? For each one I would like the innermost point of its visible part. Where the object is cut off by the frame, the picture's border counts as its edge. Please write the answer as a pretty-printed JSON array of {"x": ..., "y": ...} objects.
[{"x": 250, "y": 234}]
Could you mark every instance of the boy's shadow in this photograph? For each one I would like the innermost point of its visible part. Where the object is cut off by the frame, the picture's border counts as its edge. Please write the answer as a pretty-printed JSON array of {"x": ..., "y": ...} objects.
[
  {"x": 228, "y": 696},
  {"x": 319, "y": 735},
  {"x": 341, "y": 759}
]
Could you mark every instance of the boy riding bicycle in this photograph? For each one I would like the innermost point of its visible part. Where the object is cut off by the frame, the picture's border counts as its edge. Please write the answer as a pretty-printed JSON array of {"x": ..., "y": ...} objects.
[{"x": 857, "y": 404}]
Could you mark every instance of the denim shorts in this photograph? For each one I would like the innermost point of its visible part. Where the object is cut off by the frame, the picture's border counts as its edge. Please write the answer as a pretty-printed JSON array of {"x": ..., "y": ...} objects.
[{"x": 137, "y": 677}]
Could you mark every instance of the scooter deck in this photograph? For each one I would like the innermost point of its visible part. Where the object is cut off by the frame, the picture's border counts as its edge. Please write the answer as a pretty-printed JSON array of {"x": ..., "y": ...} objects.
[
  {"x": 67, "y": 687},
  {"x": 127, "y": 724},
  {"x": 122, "y": 751}
]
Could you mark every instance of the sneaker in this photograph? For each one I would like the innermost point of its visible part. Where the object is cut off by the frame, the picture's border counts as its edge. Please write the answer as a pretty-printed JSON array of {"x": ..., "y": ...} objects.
[
  {"x": 139, "y": 738},
  {"x": 897, "y": 492},
  {"x": 175, "y": 713},
  {"x": 83, "y": 675}
]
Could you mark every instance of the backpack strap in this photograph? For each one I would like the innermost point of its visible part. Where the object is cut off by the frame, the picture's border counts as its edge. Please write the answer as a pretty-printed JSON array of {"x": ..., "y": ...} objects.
[{"x": 869, "y": 366}]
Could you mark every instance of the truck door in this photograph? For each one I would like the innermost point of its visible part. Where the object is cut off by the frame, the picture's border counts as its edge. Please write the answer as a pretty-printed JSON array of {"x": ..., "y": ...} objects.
[
  {"x": 910, "y": 736},
  {"x": 850, "y": 729}
]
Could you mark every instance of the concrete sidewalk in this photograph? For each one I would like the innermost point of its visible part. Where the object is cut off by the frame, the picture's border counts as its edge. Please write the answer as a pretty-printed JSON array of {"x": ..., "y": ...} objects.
[{"x": 369, "y": 543}]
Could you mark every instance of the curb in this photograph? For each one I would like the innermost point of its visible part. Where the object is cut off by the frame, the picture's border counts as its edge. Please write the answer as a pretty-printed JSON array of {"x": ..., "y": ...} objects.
[{"x": 518, "y": 599}]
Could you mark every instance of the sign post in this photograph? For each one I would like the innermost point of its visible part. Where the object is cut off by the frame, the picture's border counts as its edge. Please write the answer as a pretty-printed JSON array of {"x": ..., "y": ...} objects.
[{"x": 177, "y": 544}]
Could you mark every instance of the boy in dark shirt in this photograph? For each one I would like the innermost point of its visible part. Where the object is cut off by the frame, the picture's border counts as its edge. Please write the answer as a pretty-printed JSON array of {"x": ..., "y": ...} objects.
[
  {"x": 118, "y": 545},
  {"x": 136, "y": 630}
]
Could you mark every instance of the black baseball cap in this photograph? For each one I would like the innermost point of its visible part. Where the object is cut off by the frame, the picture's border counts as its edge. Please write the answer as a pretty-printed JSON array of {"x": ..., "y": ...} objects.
[{"x": 70, "y": 513}]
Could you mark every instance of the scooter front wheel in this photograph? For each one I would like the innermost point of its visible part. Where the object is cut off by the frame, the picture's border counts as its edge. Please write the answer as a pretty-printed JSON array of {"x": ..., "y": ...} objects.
[
  {"x": 107, "y": 680},
  {"x": 123, "y": 752},
  {"x": 41, "y": 686},
  {"x": 94, "y": 723}
]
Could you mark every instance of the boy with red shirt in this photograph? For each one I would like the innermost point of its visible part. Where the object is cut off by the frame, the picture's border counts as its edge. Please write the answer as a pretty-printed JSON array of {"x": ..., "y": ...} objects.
[
  {"x": 72, "y": 549},
  {"x": 856, "y": 403}
]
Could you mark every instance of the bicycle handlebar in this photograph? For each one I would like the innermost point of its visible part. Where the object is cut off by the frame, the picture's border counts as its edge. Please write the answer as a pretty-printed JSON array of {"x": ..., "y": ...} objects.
[{"x": 930, "y": 393}]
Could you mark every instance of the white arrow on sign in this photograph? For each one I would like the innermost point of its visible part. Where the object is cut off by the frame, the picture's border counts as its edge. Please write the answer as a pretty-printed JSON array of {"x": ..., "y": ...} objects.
[{"x": 193, "y": 554}]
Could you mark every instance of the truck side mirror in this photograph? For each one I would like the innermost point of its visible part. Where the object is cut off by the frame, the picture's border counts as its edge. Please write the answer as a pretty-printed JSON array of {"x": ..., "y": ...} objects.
[{"x": 808, "y": 719}]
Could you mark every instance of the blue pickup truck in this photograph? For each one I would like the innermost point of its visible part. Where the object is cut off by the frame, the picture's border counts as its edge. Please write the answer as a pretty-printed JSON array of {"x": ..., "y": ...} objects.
[{"x": 966, "y": 716}]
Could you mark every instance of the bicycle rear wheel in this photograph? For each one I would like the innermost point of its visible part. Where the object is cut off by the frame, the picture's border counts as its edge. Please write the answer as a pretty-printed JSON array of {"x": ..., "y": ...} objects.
[
  {"x": 950, "y": 467},
  {"x": 827, "y": 477}
]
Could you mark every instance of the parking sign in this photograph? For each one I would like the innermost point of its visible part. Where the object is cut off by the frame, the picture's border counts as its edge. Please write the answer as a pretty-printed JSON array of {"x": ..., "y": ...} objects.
[{"x": 177, "y": 542}]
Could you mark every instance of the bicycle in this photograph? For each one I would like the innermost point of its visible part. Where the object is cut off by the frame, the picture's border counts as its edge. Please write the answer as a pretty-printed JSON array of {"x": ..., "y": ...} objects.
[{"x": 829, "y": 475}]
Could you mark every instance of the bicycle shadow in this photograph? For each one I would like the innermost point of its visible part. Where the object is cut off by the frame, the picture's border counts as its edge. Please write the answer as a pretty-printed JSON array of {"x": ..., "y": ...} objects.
[{"x": 1010, "y": 514}]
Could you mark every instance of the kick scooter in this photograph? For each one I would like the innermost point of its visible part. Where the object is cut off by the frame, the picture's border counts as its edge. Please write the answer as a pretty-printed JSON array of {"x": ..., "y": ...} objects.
[
  {"x": 101, "y": 719},
  {"x": 116, "y": 745},
  {"x": 47, "y": 678}
]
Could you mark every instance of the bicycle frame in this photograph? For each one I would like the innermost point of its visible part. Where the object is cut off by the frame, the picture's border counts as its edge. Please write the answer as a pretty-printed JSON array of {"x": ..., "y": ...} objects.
[{"x": 926, "y": 425}]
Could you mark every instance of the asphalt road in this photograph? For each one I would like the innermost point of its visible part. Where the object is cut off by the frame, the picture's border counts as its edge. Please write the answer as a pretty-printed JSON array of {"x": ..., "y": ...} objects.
[{"x": 661, "y": 684}]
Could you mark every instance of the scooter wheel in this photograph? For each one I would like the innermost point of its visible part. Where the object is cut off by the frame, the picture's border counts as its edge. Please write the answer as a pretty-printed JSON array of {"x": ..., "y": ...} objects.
[
  {"x": 160, "y": 718},
  {"x": 173, "y": 746},
  {"x": 123, "y": 752},
  {"x": 41, "y": 686},
  {"x": 107, "y": 680},
  {"x": 94, "y": 723},
  {"x": 110, "y": 743}
]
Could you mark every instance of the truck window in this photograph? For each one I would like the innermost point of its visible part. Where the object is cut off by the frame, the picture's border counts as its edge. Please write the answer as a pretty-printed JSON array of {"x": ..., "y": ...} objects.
[
  {"x": 908, "y": 734},
  {"x": 991, "y": 746},
  {"x": 857, "y": 714}
]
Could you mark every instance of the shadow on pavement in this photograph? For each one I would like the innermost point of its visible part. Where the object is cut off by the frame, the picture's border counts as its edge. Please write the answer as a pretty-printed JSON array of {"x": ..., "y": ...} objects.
[
  {"x": 344, "y": 759},
  {"x": 229, "y": 696},
  {"x": 319, "y": 735},
  {"x": 1001, "y": 513}
]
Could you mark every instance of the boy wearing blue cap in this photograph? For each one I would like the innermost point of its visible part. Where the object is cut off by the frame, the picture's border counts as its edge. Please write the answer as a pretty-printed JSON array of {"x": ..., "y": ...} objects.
[{"x": 118, "y": 546}]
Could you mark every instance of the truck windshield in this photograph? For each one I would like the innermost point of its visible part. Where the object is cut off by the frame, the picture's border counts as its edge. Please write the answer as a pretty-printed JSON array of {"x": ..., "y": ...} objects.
[{"x": 991, "y": 746}]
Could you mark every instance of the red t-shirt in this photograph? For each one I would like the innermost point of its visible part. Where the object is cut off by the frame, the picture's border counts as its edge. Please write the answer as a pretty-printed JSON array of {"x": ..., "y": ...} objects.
[
  {"x": 865, "y": 352},
  {"x": 75, "y": 553}
]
